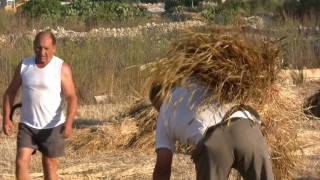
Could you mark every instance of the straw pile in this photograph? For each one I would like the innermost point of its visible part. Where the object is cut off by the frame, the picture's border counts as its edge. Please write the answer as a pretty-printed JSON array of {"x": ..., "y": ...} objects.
[
  {"x": 145, "y": 115},
  {"x": 282, "y": 116},
  {"x": 95, "y": 139},
  {"x": 234, "y": 67}
]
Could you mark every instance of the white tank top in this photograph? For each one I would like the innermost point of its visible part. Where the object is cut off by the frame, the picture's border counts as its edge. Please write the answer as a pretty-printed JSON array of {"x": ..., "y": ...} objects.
[{"x": 42, "y": 99}]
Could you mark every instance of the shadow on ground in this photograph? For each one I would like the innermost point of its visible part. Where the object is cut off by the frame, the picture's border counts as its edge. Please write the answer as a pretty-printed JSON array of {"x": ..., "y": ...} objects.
[{"x": 85, "y": 123}]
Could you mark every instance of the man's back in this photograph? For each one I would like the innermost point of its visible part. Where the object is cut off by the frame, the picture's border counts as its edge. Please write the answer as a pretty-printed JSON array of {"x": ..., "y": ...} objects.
[{"x": 184, "y": 116}]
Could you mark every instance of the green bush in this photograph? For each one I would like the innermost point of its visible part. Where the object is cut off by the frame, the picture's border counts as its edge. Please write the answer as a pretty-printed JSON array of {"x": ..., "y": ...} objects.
[
  {"x": 227, "y": 12},
  {"x": 81, "y": 8},
  {"x": 110, "y": 11},
  {"x": 88, "y": 9},
  {"x": 40, "y": 8}
]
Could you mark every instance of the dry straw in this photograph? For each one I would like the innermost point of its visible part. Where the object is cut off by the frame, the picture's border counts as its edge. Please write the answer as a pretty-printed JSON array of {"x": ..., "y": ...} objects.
[{"x": 235, "y": 67}]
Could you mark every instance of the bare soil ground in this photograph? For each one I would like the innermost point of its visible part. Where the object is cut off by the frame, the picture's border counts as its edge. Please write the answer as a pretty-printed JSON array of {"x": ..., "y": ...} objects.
[{"x": 116, "y": 162}]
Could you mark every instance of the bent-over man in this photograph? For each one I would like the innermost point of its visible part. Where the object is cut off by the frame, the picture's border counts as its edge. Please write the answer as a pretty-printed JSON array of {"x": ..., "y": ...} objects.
[{"x": 225, "y": 136}]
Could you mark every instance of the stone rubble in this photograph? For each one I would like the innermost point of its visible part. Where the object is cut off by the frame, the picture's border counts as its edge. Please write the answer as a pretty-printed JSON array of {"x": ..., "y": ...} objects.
[{"x": 61, "y": 32}]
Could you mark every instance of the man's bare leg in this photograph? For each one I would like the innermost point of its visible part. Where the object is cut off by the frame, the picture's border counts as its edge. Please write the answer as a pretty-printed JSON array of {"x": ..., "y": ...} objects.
[
  {"x": 22, "y": 163},
  {"x": 50, "y": 168}
]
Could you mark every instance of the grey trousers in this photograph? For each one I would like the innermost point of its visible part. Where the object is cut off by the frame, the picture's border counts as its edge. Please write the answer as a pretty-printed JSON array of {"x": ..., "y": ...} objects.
[{"x": 239, "y": 145}]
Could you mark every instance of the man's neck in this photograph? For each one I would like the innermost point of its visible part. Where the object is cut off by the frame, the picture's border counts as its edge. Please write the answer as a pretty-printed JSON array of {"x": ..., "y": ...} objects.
[{"x": 40, "y": 64}]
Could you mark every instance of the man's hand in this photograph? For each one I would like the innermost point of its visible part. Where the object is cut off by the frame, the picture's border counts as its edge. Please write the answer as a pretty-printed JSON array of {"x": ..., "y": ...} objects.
[
  {"x": 67, "y": 131},
  {"x": 7, "y": 127}
]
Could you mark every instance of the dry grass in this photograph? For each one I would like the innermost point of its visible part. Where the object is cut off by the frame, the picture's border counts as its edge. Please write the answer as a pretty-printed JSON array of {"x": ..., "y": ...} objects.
[{"x": 282, "y": 117}]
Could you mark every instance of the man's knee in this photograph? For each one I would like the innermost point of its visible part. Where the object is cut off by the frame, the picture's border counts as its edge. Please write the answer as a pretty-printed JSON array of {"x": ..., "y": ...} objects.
[{"x": 22, "y": 161}]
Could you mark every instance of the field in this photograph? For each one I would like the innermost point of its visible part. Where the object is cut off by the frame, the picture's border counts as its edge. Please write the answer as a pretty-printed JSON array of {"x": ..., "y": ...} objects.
[
  {"x": 106, "y": 63},
  {"x": 114, "y": 161}
]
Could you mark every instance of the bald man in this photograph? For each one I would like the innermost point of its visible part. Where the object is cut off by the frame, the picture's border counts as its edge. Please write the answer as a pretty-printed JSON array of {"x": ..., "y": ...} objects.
[{"x": 46, "y": 82}]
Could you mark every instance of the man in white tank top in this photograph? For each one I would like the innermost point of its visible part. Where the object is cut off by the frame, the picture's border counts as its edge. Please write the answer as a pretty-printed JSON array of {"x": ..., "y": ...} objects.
[{"x": 46, "y": 83}]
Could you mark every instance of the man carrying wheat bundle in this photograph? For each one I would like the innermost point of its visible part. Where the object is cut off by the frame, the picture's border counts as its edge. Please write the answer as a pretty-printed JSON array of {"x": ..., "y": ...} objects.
[{"x": 202, "y": 92}]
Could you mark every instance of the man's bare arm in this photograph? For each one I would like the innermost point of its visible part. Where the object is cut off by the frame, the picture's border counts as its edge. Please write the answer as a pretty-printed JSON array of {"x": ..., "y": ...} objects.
[
  {"x": 69, "y": 92},
  {"x": 162, "y": 169},
  {"x": 8, "y": 100}
]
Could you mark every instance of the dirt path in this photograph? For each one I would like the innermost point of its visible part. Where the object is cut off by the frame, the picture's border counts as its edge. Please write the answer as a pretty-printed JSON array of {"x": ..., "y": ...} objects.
[
  {"x": 139, "y": 165},
  {"x": 125, "y": 165}
]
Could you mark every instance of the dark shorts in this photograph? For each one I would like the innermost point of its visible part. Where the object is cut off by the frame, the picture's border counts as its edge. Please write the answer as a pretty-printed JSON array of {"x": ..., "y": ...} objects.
[{"x": 50, "y": 142}]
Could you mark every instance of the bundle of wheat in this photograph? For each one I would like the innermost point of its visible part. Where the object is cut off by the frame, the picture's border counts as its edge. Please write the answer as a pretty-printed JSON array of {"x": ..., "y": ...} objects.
[
  {"x": 145, "y": 115},
  {"x": 282, "y": 116},
  {"x": 234, "y": 67}
]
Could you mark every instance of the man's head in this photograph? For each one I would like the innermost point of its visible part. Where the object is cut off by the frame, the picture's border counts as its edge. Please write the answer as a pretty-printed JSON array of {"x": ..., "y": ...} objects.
[
  {"x": 154, "y": 97},
  {"x": 44, "y": 46}
]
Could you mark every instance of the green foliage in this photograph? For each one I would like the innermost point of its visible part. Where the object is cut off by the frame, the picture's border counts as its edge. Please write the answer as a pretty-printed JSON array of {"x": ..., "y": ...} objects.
[
  {"x": 89, "y": 10},
  {"x": 40, "y": 8},
  {"x": 116, "y": 11},
  {"x": 81, "y": 8},
  {"x": 227, "y": 12}
]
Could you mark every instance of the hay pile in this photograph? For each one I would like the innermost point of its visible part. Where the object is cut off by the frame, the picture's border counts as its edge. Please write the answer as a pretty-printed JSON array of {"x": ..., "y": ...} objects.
[
  {"x": 145, "y": 116},
  {"x": 94, "y": 140},
  {"x": 234, "y": 67},
  {"x": 132, "y": 127},
  {"x": 282, "y": 116}
]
